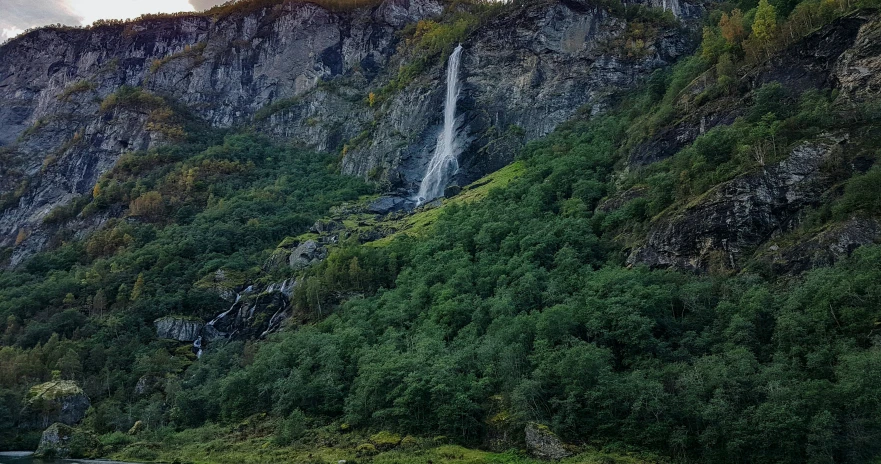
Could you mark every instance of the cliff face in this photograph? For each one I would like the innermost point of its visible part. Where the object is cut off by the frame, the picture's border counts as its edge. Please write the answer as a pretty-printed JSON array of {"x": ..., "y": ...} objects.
[
  {"x": 57, "y": 138},
  {"x": 523, "y": 73},
  {"x": 75, "y": 100},
  {"x": 750, "y": 215}
]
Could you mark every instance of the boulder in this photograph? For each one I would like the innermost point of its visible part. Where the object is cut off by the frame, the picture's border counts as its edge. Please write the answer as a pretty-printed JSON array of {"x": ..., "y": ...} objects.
[
  {"x": 390, "y": 204},
  {"x": 452, "y": 190},
  {"x": 384, "y": 441},
  {"x": 178, "y": 328},
  {"x": 57, "y": 401},
  {"x": 137, "y": 428},
  {"x": 306, "y": 254},
  {"x": 325, "y": 226},
  {"x": 62, "y": 441},
  {"x": 544, "y": 444}
]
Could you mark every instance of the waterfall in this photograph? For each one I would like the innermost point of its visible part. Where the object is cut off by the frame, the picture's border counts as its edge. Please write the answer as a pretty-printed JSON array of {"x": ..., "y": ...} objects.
[{"x": 443, "y": 162}]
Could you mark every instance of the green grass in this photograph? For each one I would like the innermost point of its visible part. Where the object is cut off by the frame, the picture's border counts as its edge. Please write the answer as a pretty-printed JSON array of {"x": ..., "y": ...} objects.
[
  {"x": 421, "y": 222},
  {"x": 253, "y": 443}
]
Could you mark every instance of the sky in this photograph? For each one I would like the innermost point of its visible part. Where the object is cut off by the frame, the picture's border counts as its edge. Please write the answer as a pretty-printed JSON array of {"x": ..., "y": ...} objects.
[{"x": 18, "y": 15}]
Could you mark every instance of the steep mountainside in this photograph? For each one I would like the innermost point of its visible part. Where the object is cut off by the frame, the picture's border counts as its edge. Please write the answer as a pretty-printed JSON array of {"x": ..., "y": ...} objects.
[
  {"x": 751, "y": 213},
  {"x": 657, "y": 249},
  {"x": 356, "y": 81}
]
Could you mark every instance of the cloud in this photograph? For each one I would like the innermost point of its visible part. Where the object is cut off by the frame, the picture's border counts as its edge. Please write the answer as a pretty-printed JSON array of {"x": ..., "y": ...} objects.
[
  {"x": 17, "y": 15},
  {"x": 202, "y": 5}
]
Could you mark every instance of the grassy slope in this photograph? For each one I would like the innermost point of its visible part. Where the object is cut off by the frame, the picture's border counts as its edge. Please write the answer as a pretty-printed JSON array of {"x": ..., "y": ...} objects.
[{"x": 244, "y": 444}]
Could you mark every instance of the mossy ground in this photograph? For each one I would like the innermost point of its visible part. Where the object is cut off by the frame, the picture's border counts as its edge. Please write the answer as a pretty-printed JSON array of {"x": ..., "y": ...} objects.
[
  {"x": 355, "y": 221},
  {"x": 421, "y": 221},
  {"x": 215, "y": 444}
]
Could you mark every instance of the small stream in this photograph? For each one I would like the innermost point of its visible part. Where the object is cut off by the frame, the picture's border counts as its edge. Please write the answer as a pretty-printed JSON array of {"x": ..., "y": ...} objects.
[{"x": 26, "y": 457}]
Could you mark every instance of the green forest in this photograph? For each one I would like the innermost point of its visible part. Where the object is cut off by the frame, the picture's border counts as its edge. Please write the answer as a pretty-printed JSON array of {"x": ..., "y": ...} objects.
[{"x": 517, "y": 308}]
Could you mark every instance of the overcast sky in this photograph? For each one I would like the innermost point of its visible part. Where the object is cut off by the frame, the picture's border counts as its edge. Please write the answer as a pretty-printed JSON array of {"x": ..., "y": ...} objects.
[{"x": 18, "y": 15}]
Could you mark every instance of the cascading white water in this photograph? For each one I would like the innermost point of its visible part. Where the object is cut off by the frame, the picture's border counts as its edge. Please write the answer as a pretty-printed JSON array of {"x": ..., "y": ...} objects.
[{"x": 444, "y": 162}]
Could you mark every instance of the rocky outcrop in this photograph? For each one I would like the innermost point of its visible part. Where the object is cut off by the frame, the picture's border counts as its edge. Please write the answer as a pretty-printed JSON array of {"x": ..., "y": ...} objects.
[
  {"x": 390, "y": 204},
  {"x": 858, "y": 70},
  {"x": 60, "y": 441},
  {"x": 737, "y": 216},
  {"x": 544, "y": 444},
  {"x": 178, "y": 328},
  {"x": 306, "y": 254},
  {"x": 821, "y": 249},
  {"x": 57, "y": 401},
  {"x": 813, "y": 61},
  {"x": 256, "y": 313},
  {"x": 667, "y": 142},
  {"x": 299, "y": 72},
  {"x": 748, "y": 215},
  {"x": 844, "y": 55}
]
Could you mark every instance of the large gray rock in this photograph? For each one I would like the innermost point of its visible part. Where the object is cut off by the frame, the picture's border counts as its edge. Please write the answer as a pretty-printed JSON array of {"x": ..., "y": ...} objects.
[
  {"x": 306, "y": 254},
  {"x": 390, "y": 204},
  {"x": 60, "y": 441},
  {"x": 858, "y": 70},
  {"x": 178, "y": 328},
  {"x": 737, "y": 216},
  {"x": 544, "y": 444},
  {"x": 56, "y": 401}
]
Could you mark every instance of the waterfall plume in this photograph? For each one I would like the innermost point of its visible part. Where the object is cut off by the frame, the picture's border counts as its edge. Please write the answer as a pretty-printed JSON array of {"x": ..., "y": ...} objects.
[{"x": 444, "y": 162}]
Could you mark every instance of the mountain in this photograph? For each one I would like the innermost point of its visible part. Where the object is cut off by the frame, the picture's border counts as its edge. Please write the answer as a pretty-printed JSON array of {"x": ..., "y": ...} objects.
[
  {"x": 302, "y": 73},
  {"x": 658, "y": 241}
]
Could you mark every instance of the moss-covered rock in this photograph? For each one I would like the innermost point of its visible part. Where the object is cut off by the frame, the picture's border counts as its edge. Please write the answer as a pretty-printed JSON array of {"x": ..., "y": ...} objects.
[
  {"x": 365, "y": 450},
  {"x": 57, "y": 401},
  {"x": 63, "y": 441},
  {"x": 410, "y": 443},
  {"x": 385, "y": 440}
]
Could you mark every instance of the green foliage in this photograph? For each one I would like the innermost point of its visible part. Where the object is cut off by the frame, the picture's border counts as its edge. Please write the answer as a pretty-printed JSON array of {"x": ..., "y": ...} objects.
[
  {"x": 132, "y": 97},
  {"x": 292, "y": 428},
  {"x": 225, "y": 205},
  {"x": 764, "y": 25},
  {"x": 75, "y": 88},
  {"x": 275, "y": 107},
  {"x": 512, "y": 297},
  {"x": 862, "y": 194}
]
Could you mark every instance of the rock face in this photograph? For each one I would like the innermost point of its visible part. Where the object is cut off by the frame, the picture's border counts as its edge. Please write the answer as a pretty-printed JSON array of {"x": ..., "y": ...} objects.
[
  {"x": 61, "y": 441},
  {"x": 306, "y": 254},
  {"x": 256, "y": 313},
  {"x": 822, "y": 249},
  {"x": 57, "y": 401},
  {"x": 298, "y": 72},
  {"x": 522, "y": 74},
  {"x": 857, "y": 69},
  {"x": 844, "y": 54},
  {"x": 544, "y": 444},
  {"x": 743, "y": 217},
  {"x": 737, "y": 216},
  {"x": 177, "y": 328}
]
